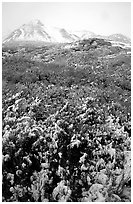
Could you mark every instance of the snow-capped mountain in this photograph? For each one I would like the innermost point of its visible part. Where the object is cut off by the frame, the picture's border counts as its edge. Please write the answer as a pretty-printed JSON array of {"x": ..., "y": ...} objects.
[
  {"x": 119, "y": 38},
  {"x": 83, "y": 34},
  {"x": 35, "y": 31}
]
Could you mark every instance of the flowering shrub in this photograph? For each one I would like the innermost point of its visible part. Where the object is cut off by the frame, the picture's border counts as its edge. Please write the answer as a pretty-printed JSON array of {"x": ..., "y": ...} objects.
[{"x": 65, "y": 144}]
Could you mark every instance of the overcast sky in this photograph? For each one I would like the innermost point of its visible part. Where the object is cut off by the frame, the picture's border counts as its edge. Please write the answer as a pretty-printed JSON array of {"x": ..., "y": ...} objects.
[{"x": 102, "y": 17}]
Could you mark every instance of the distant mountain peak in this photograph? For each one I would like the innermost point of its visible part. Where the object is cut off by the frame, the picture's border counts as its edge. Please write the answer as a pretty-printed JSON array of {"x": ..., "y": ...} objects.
[
  {"x": 36, "y": 31},
  {"x": 119, "y": 38},
  {"x": 36, "y": 22}
]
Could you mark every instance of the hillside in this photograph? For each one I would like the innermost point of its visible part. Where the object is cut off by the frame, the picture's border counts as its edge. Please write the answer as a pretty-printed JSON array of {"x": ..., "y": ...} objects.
[{"x": 66, "y": 122}]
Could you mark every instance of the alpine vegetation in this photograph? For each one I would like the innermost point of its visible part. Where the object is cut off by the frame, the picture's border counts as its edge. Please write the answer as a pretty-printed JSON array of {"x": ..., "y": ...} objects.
[{"x": 66, "y": 116}]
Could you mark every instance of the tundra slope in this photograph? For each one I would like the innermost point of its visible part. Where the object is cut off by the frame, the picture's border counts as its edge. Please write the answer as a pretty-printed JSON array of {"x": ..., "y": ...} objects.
[{"x": 66, "y": 123}]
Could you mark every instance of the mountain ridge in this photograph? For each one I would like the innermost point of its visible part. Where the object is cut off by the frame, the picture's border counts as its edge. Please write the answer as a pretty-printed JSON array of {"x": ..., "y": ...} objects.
[{"x": 36, "y": 31}]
